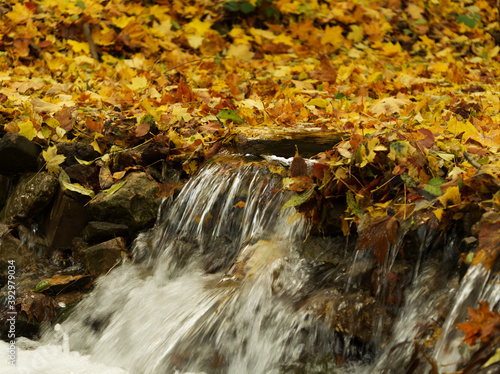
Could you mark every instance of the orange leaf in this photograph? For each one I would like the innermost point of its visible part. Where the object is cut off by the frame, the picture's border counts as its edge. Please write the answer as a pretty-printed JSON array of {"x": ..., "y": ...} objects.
[
  {"x": 483, "y": 324},
  {"x": 239, "y": 204},
  {"x": 489, "y": 245}
]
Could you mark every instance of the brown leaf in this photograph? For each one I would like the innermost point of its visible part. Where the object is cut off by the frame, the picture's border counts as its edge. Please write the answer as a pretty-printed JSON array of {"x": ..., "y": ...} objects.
[
  {"x": 489, "y": 245},
  {"x": 381, "y": 233},
  {"x": 326, "y": 72},
  {"x": 65, "y": 118},
  {"x": 301, "y": 183},
  {"x": 142, "y": 129},
  {"x": 483, "y": 324},
  {"x": 214, "y": 149},
  {"x": 105, "y": 177},
  {"x": 298, "y": 166},
  {"x": 37, "y": 306},
  {"x": 429, "y": 138}
]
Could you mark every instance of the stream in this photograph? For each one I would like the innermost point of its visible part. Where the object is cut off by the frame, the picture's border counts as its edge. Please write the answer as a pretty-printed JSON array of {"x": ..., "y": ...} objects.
[{"x": 222, "y": 285}]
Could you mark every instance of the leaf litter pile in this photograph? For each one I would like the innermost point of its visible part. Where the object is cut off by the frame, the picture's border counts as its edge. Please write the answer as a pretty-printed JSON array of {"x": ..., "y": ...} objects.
[{"x": 410, "y": 87}]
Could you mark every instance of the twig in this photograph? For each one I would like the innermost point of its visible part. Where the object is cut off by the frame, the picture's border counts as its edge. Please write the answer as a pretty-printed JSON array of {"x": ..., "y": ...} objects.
[
  {"x": 90, "y": 40},
  {"x": 187, "y": 62},
  {"x": 478, "y": 167},
  {"x": 472, "y": 161}
]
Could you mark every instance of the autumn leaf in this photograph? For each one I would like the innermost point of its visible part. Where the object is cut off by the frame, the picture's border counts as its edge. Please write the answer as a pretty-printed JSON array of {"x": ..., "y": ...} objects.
[
  {"x": 488, "y": 248},
  {"x": 483, "y": 324},
  {"x": 379, "y": 235},
  {"x": 53, "y": 160}
]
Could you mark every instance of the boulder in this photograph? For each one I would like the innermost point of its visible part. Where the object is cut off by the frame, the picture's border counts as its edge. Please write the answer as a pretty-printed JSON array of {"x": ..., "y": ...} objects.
[
  {"x": 66, "y": 220},
  {"x": 18, "y": 154},
  {"x": 32, "y": 193},
  {"x": 102, "y": 257},
  {"x": 97, "y": 231},
  {"x": 134, "y": 204},
  {"x": 4, "y": 190}
]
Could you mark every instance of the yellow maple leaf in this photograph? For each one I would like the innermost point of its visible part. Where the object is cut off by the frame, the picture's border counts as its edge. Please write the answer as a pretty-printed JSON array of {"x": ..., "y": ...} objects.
[
  {"x": 53, "y": 159},
  {"x": 78, "y": 46},
  {"x": 19, "y": 14},
  {"x": 242, "y": 51},
  {"x": 333, "y": 36},
  {"x": 451, "y": 197},
  {"x": 198, "y": 27},
  {"x": 26, "y": 129},
  {"x": 138, "y": 83}
]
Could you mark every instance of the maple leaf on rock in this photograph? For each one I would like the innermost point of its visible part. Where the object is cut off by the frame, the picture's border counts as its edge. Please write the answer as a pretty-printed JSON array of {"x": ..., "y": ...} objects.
[{"x": 53, "y": 159}]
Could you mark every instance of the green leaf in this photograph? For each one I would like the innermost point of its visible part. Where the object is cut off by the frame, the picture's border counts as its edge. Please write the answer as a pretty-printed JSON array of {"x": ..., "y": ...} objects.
[
  {"x": 297, "y": 200},
  {"x": 81, "y": 4},
  {"x": 115, "y": 187},
  {"x": 469, "y": 20},
  {"x": 353, "y": 204},
  {"x": 247, "y": 7},
  {"x": 43, "y": 285},
  {"x": 433, "y": 187},
  {"x": 232, "y": 6},
  {"x": 229, "y": 114}
]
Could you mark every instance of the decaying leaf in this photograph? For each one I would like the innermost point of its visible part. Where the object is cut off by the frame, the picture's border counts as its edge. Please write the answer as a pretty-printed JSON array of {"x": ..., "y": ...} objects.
[
  {"x": 488, "y": 249},
  {"x": 379, "y": 235}
]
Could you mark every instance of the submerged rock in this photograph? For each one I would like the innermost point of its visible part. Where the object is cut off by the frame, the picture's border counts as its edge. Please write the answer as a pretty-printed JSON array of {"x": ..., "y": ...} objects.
[
  {"x": 134, "y": 204},
  {"x": 18, "y": 154},
  {"x": 31, "y": 195}
]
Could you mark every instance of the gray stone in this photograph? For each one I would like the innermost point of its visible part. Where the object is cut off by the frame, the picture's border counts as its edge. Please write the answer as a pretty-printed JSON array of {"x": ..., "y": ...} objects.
[
  {"x": 102, "y": 257},
  {"x": 66, "y": 220},
  {"x": 97, "y": 231},
  {"x": 32, "y": 193},
  {"x": 135, "y": 204},
  {"x": 18, "y": 154}
]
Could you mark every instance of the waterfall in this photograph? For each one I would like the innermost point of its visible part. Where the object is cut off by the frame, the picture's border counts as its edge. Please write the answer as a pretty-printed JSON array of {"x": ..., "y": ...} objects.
[{"x": 221, "y": 284}]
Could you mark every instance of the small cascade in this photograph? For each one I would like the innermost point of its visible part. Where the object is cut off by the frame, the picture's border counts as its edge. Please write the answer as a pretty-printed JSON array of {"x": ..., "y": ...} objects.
[
  {"x": 176, "y": 299},
  {"x": 227, "y": 283}
]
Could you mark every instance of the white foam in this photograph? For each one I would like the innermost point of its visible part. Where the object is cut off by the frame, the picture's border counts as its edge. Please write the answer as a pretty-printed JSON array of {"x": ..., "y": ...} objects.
[{"x": 50, "y": 359}]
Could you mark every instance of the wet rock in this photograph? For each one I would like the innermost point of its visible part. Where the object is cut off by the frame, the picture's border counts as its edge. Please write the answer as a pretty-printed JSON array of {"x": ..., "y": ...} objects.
[
  {"x": 97, "y": 231},
  {"x": 81, "y": 151},
  {"x": 154, "y": 152},
  {"x": 18, "y": 154},
  {"x": 4, "y": 190},
  {"x": 486, "y": 218},
  {"x": 135, "y": 204},
  {"x": 102, "y": 257},
  {"x": 83, "y": 174},
  {"x": 12, "y": 249},
  {"x": 32, "y": 193},
  {"x": 66, "y": 220},
  {"x": 356, "y": 315}
]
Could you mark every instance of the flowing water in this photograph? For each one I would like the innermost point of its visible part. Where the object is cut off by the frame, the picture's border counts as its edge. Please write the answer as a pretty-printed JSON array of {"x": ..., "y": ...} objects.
[{"x": 221, "y": 285}]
